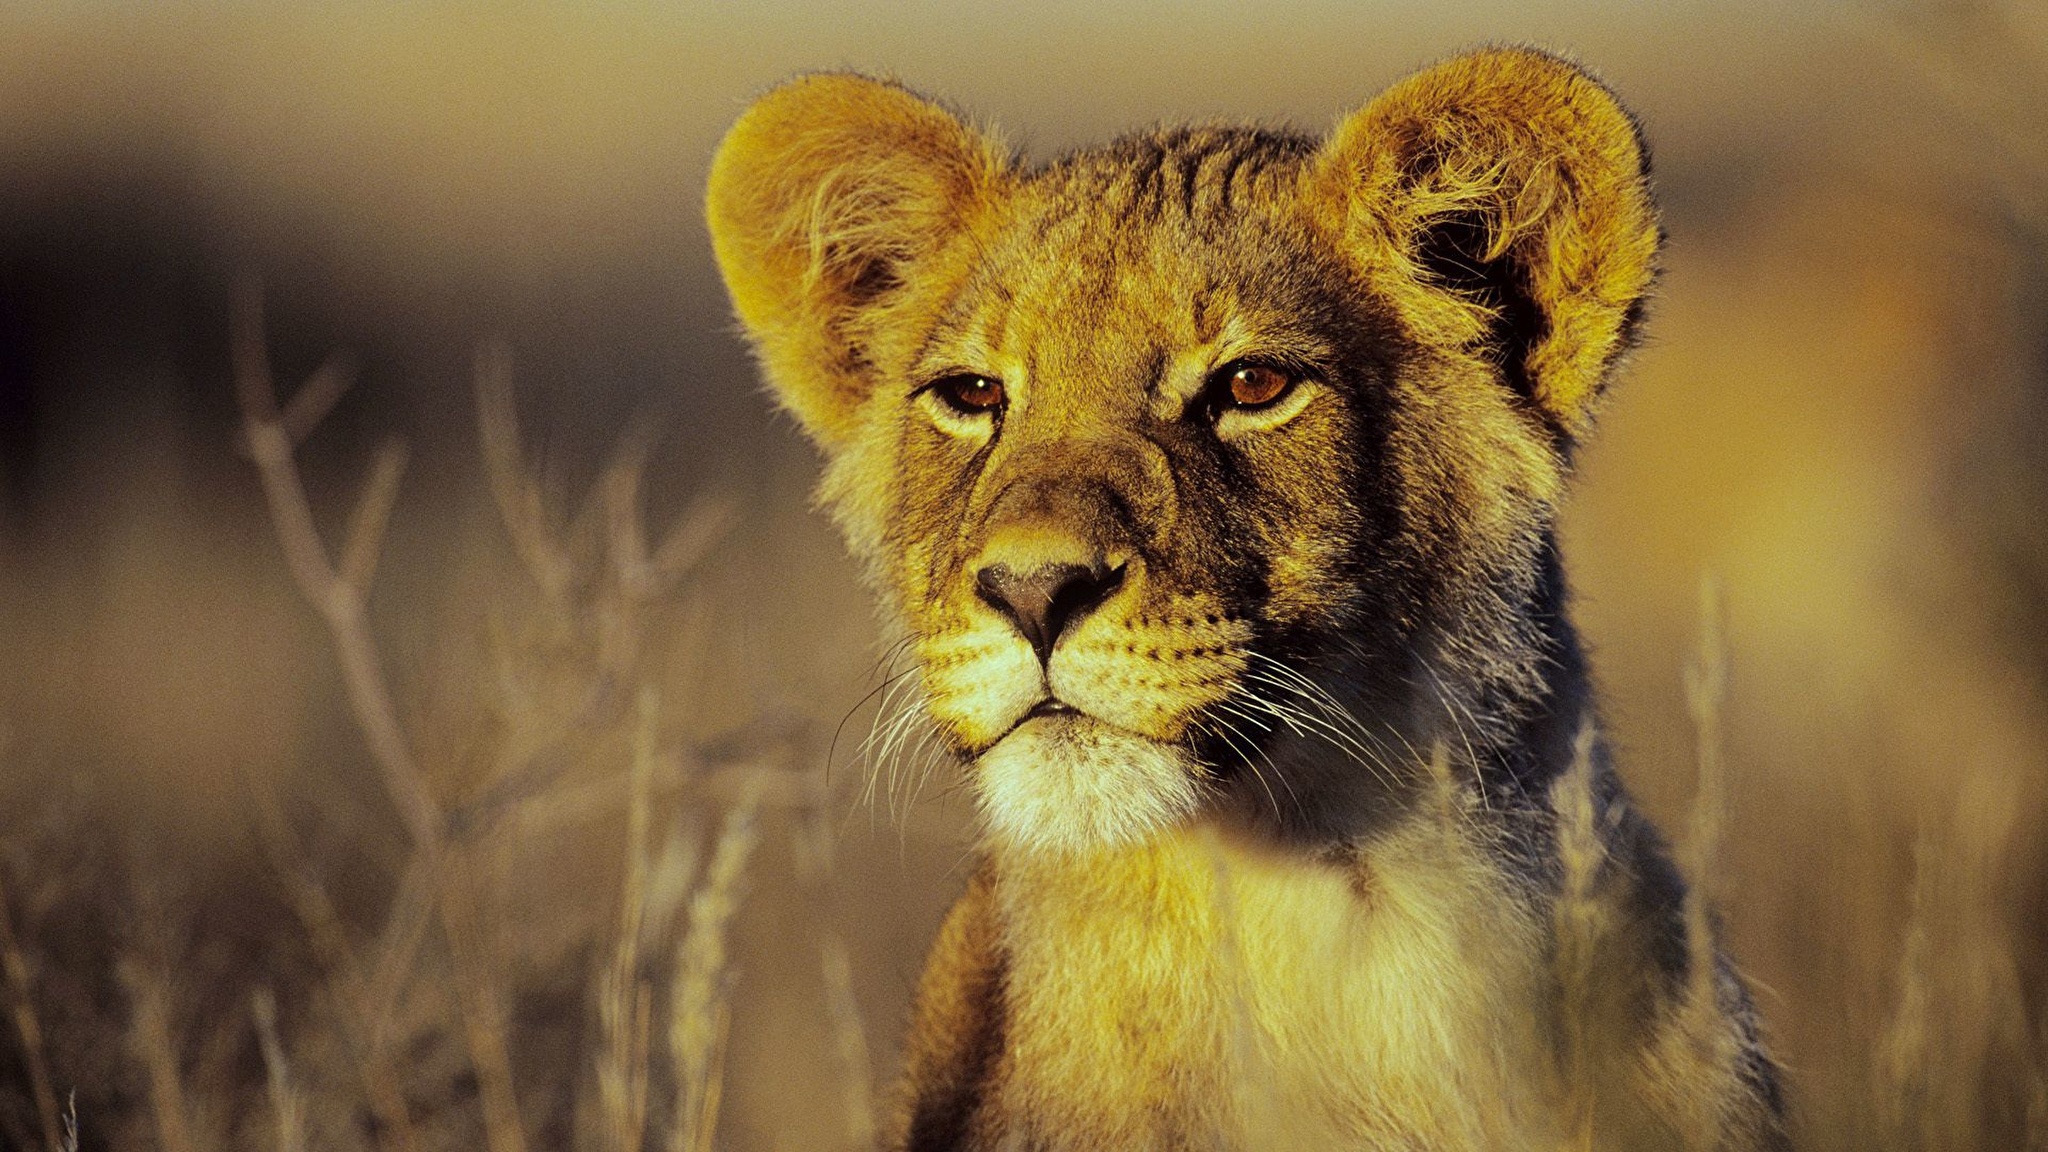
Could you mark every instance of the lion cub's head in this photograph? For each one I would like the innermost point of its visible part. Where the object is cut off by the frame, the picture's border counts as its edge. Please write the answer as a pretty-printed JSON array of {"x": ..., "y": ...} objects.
[{"x": 1213, "y": 465}]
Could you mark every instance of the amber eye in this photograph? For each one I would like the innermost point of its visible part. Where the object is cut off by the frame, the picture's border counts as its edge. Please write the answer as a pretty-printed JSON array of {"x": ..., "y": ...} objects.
[
  {"x": 971, "y": 395},
  {"x": 1256, "y": 385}
]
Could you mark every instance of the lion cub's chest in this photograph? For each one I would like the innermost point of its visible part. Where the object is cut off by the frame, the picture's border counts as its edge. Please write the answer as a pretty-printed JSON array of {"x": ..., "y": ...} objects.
[{"x": 1197, "y": 993}]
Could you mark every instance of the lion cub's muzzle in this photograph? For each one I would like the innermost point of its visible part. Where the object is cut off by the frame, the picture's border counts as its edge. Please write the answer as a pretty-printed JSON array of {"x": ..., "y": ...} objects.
[{"x": 1069, "y": 675}]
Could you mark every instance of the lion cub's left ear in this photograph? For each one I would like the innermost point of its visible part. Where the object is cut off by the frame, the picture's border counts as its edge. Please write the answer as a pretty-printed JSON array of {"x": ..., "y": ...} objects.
[
  {"x": 831, "y": 193},
  {"x": 1502, "y": 200}
]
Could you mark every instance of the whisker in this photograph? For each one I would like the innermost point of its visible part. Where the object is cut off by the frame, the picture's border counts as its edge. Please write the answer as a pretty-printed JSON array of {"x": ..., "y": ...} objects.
[
  {"x": 1224, "y": 730},
  {"x": 1452, "y": 707},
  {"x": 1260, "y": 722},
  {"x": 891, "y": 750},
  {"x": 1335, "y": 709},
  {"x": 896, "y": 710},
  {"x": 832, "y": 749},
  {"x": 1307, "y": 724},
  {"x": 930, "y": 754}
]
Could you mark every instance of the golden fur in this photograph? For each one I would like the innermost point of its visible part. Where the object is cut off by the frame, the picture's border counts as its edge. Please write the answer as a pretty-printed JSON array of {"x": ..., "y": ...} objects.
[{"x": 1212, "y": 476}]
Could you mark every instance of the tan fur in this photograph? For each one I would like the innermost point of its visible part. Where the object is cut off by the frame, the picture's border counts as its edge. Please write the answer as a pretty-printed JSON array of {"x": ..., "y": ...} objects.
[
  {"x": 1297, "y": 830},
  {"x": 1204, "y": 993}
]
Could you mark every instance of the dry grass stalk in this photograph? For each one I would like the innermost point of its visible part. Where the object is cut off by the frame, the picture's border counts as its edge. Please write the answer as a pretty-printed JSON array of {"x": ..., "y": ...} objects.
[
  {"x": 482, "y": 1005},
  {"x": 1700, "y": 1032},
  {"x": 625, "y": 1000},
  {"x": 68, "y": 1142},
  {"x": 849, "y": 1037},
  {"x": 813, "y": 851},
  {"x": 1580, "y": 923},
  {"x": 699, "y": 1007},
  {"x": 406, "y": 922},
  {"x": 360, "y": 1012},
  {"x": 21, "y": 1006},
  {"x": 1904, "y": 1056},
  {"x": 1447, "y": 795},
  {"x": 286, "y": 1103},
  {"x": 1706, "y": 694},
  {"x": 1958, "y": 1067},
  {"x": 149, "y": 1037}
]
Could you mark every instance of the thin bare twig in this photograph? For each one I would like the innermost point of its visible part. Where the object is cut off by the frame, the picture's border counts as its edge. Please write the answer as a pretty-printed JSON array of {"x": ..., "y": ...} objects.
[
  {"x": 613, "y": 503},
  {"x": 702, "y": 525},
  {"x": 339, "y": 597},
  {"x": 513, "y": 488},
  {"x": 317, "y": 397},
  {"x": 365, "y": 538},
  {"x": 405, "y": 926},
  {"x": 339, "y": 602}
]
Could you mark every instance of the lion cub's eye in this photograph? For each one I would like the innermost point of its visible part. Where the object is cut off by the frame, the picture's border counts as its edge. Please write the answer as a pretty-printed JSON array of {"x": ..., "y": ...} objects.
[
  {"x": 969, "y": 395},
  {"x": 1247, "y": 396},
  {"x": 1256, "y": 385},
  {"x": 964, "y": 404}
]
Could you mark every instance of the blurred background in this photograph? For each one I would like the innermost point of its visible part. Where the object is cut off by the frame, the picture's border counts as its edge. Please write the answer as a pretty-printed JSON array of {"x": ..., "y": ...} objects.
[{"x": 676, "y": 904}]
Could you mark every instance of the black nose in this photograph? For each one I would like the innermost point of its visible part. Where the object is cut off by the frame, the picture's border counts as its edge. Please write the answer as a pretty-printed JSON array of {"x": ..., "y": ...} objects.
[{"x": 1042, "y": 601}]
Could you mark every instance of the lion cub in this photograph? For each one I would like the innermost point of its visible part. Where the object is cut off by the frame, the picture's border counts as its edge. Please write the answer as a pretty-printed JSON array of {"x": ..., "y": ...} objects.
[{"x": 1213, "y": 475}]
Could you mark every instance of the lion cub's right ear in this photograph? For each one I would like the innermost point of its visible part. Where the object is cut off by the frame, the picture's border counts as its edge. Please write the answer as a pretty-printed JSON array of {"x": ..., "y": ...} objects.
[{"x": 831, "y": 193}]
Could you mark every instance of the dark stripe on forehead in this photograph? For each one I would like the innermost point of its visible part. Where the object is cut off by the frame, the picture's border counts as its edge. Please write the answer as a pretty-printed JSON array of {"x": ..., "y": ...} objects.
[
  {"x": 1226, "y": 191},
  {"x": 1219, "y": 163},
  {"x": 1143, "y": 184},
  {"x": 1190, "y": 172}
]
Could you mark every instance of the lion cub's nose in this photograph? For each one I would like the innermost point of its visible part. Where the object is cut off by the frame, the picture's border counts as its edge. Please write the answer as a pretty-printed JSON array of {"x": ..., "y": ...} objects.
[{"x": 1043, "y": 600}]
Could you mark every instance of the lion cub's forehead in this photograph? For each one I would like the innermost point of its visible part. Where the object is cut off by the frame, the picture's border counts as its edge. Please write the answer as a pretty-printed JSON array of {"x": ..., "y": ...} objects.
[{"x": 1111, "y": 266}]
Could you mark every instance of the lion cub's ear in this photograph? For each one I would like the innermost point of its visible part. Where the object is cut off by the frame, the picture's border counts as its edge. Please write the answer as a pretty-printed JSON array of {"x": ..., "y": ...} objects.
[
  {"x": 824, "y": 199},
  {"x": 1502, "y": 200}
]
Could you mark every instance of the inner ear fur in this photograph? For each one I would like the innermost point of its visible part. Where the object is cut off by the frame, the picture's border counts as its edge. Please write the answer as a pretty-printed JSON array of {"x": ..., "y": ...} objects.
[
  {"x": 1503, "y": 198},
  {"x": 823, "y": 198}
]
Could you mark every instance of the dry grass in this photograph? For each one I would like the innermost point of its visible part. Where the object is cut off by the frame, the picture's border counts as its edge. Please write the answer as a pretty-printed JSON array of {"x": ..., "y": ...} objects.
[
  {"x": 515, "y": 847},
  {"x": 404, "y": 1028}
]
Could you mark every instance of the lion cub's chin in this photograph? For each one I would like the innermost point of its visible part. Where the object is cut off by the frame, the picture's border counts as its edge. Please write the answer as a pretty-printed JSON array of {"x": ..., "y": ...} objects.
[{"x": 1072, "y": 784}]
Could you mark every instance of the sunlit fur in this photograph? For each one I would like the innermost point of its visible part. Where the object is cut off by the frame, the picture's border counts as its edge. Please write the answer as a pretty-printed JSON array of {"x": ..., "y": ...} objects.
[
  {"x": 1070, "y": 785},
  {"x": 1299, "y": 833}
]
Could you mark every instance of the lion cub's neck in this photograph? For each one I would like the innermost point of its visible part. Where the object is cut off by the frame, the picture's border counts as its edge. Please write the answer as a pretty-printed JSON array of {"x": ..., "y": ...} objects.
[{"x": 1200, "y": 991}]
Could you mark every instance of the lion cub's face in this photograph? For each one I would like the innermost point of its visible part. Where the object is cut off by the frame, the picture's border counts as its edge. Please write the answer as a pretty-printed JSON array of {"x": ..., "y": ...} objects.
[
  {"x": 1182, "y": 461},
  {"x": 1127, "y": 450}
]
